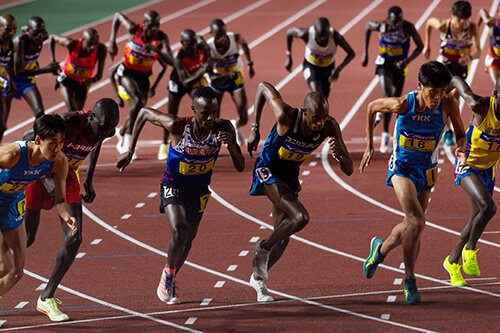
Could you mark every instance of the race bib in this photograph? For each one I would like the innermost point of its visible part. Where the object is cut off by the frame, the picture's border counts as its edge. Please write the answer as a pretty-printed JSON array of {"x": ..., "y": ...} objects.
[
  {"x": 288, "y": 155},
  {"x": 415, "y": 142},
  {"x": 195, "y": 169}
]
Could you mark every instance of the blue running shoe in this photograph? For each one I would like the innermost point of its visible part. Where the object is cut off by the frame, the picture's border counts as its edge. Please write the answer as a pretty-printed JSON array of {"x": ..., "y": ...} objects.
[
  {"x": 375, "y": 258},
  {"x": 411, "y": 292}
]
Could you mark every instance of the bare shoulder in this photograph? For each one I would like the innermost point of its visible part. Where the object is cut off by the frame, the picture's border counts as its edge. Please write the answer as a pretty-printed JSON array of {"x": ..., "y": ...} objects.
[
  {"x": 223, "y": 125},
  {"x": 9, "y": 155}
]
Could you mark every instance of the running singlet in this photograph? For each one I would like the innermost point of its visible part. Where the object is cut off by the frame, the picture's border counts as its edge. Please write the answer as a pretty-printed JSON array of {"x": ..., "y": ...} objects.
[
  {"x": 136, "y": 57},
  {"x": 229, "y": 61},
  {"x": 392, "y": 45},
  {"x": 283, "y": 155},
  {"x": 13, "y": 182},
  {"x": 417, "y": 134},
  {"x": 79, "y": 69},
  {"x": 483, "y": 142},
  {"x": 191, "y": 162},
  {"x": 453, "y": 47},
  {"x": 318, "y": 55},
  {"x": 494, "y": 50},
  {"x": 77, "y": 147},
  {"x": 6, "y": 56}
]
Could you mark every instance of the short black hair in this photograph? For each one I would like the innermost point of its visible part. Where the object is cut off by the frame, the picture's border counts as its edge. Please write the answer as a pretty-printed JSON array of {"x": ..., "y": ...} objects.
[
  {"x": 396, "y": 10},
  {"x": 461, "y": 9},
  {"x": 204, "y": 92},
  {"x": 218, "y": 23},
  {"x": 49, "y": 125},
  {"x": 107, "y": 105},
  {"x": 434, "y": 74}
]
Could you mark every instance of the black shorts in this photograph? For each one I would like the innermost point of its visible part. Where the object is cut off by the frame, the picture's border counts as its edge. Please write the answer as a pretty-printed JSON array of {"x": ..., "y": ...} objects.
[
  {"x": 389, "y": 69},
  {"x": 319, "y": 74},
  {"x": 456, "y": 69},
  {"x": 193, "y": 198},
  {"x": 175, "y": 86},
  {"x": 143, "y": 79},
  {"x": 80, "y": 91}
]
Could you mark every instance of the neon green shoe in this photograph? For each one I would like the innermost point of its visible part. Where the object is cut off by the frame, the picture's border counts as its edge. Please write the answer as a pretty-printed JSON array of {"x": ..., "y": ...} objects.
[
  {"x": 50, "y": 308},
  {"x": 163, "y": 151},
  {"x": 469, "y": 260},
  {"x": 456, "y": 277}
]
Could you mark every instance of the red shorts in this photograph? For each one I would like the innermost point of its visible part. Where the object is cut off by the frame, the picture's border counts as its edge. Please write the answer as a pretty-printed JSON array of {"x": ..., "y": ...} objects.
[{"x": 38, "y": 198}]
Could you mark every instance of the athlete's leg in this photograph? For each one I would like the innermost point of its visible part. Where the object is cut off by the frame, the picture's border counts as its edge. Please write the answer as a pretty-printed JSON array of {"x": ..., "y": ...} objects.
[
  {"x": 179, "y": 227},
  {"x": 297, "y": 216},
  {"x": 279, "y": 248},
  {"x": 71, "y": 99},
  {"x": 13, "y": 250},
  {"x": 4, "y": 115},
  {"x": 483, "y": 208},
  {"x": 240, "y": 100},
  {"x": 409, "y": 231},
  {"x": 138, "y": 100},
  {"x": 67, "y": 252},
  {"x": 219, "y": 95},
  {"x": 31, "y": 221},
  {"x": 34, "y": 100}
]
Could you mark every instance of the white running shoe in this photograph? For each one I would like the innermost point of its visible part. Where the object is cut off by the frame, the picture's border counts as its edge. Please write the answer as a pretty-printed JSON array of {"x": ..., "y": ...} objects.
[
  {"x": 50, "y": 308},
  {"x": 385, "y": 143},
  {"x": 261, "y": 288}
]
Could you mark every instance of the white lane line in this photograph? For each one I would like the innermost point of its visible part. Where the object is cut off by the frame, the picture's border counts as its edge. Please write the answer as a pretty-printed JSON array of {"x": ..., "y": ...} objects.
[
  {"x": 243, "y": 253},
  {"x": 398, "y": 281},
  {"x": 126, "y": 216},
  {"x": 219, "y": 284},
  {"x": 96, "y": 241},
  {"x": 391, "y": 299},
  {"x": 80, "y": 255},
  {"x": 15, "y": 3},
  {"x": 306, "y": 173},
  {"x": 190, "y": 320},
  {"x": 110, "y": 305},
  {"x": 140, "y": 205},
  {"x": 232, "y": 268},
  {"x": 254, "y": 239},
  {"x": 206, "y": 301},
  {"x": 385, "y": 316},
  {"x": 152, "y": 194},
  {"x": 42, "y": 286},
  {"x": 313, "y": 163},
  {"x": 21, "y": 305},
  {"x": 97, "y": 220}
]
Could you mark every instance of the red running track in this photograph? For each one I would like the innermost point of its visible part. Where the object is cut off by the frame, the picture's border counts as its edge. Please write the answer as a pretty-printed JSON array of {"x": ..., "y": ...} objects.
[{"x": 318, "y": 284}]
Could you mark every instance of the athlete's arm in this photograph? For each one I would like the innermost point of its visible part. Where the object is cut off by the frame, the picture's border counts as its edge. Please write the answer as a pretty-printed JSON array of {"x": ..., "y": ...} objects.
[
  {"x": 156, "y": 117},
  {"x": 246, "y": 50},
  {"x": 284, "y": 113},
  {"x": 384, "y": 105},
  {"x": 131, "y": 27},
  {"x": 101, "y": 60},
  {"x": 163, "y": 44},
  {"x": 369, "y": 27},
  {"x": 340, "y": 41},
  {"x": 292, "y": 33},
  {"x": 152, "y": 89},
  {"x": 20, "y": 45},
  {"x": 60, "y": 173},
  {"x": 9, "y": 156},
  {"x": 337, "y": 146},
  {"x": 88, "y": 186},
  {"x": 413, "y": 33},
  {"x": 452, "y": 111},
  {"x": 227, "y": 137},
  {"x": 68, "y": 43},
  {"x": 476, "y": 44},
  {"x": 432, "y": 23},
  {"x": 483, "y": 15}
]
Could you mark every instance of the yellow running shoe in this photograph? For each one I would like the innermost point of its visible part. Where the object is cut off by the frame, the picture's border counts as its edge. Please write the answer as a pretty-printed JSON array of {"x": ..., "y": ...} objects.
[
  {"x": 49, "y": 307},
  {"x": 456, "y": 277},
  {"x": 469, "y": 260}
]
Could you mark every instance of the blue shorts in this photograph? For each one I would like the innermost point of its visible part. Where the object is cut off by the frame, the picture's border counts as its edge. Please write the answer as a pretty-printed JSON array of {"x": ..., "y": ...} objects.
[
  {"x": 263, "y": 175},
  {"x": 487, "y": 176},
  {"x": 229, "y": 86},
  {"x": 12, "y": 214},
  {"x": 423, "y": 178},
  {"x": 23, "y": 84}
]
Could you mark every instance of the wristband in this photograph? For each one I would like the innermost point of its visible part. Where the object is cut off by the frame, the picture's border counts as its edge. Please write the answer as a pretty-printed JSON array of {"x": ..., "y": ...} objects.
[
  {"x": 288, "y": 52},
  {"x": 255, "y": 126}
]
